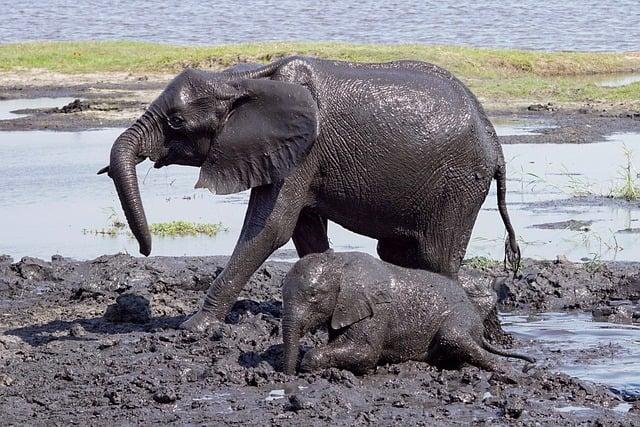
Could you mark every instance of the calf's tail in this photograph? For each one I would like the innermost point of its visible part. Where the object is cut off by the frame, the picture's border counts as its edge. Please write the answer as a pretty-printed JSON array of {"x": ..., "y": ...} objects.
[{"x": 500, "y": 352}]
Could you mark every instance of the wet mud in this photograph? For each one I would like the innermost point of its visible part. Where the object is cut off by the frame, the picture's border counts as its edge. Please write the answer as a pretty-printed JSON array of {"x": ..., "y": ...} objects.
[
  {"x": 96, "y": 342},
  {"x": 575, "y": 124}
]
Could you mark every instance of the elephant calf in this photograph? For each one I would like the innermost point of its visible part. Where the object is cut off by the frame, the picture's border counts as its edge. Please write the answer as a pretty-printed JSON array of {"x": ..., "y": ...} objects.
[{"x": 377, "y": 312}]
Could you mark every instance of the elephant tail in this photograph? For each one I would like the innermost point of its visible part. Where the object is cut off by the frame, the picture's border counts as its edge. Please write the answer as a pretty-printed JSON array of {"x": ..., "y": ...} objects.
[
  {"x": 501, "y": 352},
  {"x": 511, "y": 248}
]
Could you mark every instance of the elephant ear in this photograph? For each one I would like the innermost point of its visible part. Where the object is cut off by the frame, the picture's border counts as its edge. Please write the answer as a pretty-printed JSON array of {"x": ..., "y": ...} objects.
[
  {"x": 355, "y": 303},
  {"x": 268, "y": 132}
]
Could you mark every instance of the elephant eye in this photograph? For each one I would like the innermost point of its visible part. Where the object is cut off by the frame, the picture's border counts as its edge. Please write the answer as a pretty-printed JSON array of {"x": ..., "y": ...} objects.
[{"x": 176, "y": 122}]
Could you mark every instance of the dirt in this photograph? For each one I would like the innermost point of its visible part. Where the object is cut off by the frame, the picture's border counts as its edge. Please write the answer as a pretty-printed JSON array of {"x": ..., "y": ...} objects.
[
  {"x": 117, "y": 99},
  {"x": 570, "y": 124},
  {"x": 96, "y": 342},
  {"x": 104, "y": 100}
]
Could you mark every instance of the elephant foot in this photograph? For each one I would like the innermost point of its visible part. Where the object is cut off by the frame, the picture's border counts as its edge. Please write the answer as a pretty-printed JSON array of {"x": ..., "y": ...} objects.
[
  {"x": 202, "y": 322},
  {"x": 312, "y": 360}
]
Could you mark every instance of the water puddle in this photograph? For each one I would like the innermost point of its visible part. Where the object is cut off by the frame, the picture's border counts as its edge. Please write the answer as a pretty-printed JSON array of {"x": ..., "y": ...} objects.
[
  {"x": 219, "y": 400},
  {"x": 623, "y": 407},
  {"x": 7, "y": 106},
  {"x": 508, "y": 127},
  {"x": 50, "y": 193},
  {"x": 569, "y": 409},
  {"x": 619, "y": 80},
  {"x": 281, "y": 393},
  {"x": 275, "y": 395},
  {"x": 600, "y": 352}
]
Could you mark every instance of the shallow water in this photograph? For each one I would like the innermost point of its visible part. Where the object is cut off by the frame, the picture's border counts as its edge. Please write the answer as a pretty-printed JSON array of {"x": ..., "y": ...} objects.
[
  {"x": 519, "y": 127},
  {"x": 546, "y": 172},
  {"x": 7, "y": 106},
  {"x": 601, "y": 352},
  {"x": 622, "y": 80},
  {"x": 50, "y": 194},
  {"x": 550, "y": 25}
]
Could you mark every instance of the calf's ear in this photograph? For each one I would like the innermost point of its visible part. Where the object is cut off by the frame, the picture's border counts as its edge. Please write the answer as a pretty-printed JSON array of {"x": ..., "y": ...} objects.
[
  {"x": 269, "y": 129},
  {"x": 355, "y": 303}
]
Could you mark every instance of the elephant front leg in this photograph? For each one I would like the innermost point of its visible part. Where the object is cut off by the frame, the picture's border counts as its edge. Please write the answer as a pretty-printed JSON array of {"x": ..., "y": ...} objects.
[
  {"x": 269, "y": 223},
  {"x": 343, "y": 354}
]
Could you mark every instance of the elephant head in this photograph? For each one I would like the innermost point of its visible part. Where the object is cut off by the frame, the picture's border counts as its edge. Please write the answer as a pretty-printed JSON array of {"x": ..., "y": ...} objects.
[
  {"x": 315, "y": 293},
  {"x": 242, "y": 130}
]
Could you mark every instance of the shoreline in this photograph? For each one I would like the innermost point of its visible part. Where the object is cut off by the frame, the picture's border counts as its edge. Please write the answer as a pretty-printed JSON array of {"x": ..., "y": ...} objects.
[
  {"x": 116, "y": 99},
  {"x": 118, "y": 79}
]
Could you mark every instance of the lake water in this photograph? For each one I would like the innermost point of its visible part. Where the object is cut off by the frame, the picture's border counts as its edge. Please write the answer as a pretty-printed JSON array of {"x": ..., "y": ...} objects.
[
  {"x": 549, "y": 25},
  {"x": 50, "y": 196}
]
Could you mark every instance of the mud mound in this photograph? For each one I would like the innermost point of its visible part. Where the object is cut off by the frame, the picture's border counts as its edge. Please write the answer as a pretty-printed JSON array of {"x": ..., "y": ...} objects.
[
  {"x": 96, "y": 343},
  {"x": 561, "y": 285}
]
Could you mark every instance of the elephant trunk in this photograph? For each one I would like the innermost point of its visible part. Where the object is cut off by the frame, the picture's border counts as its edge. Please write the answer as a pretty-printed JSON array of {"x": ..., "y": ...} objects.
[
  {"x": 132, "y": 145},
  {"x": 291, "y": 333}
]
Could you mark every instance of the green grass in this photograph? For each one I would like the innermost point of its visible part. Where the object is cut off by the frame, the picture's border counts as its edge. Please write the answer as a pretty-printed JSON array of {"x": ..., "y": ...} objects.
[
  {"x": 481, "y": 262},
  {"x": 629, "y": 186},
  {"x": 184, "y": 228},
  {"x": 491, "y": 73},
  {"x": 117, "y": 227}
]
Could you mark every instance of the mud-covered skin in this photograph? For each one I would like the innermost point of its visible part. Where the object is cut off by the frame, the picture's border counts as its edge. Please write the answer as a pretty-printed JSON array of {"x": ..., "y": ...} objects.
[
  {"x": 379, "y": 313},
  {"x": 401, "y": 152},
  {"x": 62, "y": 362}
]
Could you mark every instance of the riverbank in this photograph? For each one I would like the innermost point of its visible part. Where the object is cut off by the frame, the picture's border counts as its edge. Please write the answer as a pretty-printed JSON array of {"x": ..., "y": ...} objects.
[
  {"x": 115, "y": 81},
  {"x": 496, "y": 75},
  {"x": 97, "y": 341}
]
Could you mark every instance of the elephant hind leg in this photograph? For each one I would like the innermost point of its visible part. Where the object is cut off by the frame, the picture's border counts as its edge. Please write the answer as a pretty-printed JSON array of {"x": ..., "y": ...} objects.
[
  {"x": 455, "y": 343},
  {"x": 310, "y": 234},
  {"x": 399, "y": 251}
]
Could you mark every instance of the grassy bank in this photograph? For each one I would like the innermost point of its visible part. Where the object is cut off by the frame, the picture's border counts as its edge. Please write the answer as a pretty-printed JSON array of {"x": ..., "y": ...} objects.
[{"x": 492, "y": 73}]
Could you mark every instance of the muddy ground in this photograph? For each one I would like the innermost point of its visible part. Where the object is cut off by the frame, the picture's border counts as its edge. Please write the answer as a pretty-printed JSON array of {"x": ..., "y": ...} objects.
[
  {"x": 95, "y": 342},
  {"x": 117, "y": 99}
]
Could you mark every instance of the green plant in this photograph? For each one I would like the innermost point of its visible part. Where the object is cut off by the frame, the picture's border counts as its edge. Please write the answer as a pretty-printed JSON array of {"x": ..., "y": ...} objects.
[
  {"x": 629, "y": 188},
  {"x": 481, "y": 262},
  {"x": 184, "y": 228},
  {"x": 115, "y": 227}
]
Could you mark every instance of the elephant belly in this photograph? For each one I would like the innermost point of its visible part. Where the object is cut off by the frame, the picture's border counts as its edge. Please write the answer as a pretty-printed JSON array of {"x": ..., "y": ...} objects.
[
  {"x": 368, "y": 220},
  {"x": 401, "y": 205},
  {"x": 402, "y": 349},
  {"x": 412, "y": 328},
  {"x": 390, "y": 188}
]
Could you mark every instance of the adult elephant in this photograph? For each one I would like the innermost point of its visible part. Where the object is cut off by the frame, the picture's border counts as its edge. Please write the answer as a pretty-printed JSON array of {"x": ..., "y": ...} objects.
[{"x": 401, "y": 152}]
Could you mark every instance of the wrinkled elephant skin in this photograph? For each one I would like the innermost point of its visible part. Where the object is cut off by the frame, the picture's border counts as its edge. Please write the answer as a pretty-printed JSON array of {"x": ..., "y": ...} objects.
[
  {"x": 380, "y": 313},
  {"x": 401, "y": 152}
]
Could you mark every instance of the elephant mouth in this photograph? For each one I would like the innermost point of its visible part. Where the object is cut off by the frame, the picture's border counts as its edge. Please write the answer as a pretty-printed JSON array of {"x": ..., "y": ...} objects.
[{"x": 178, "y": 154}]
